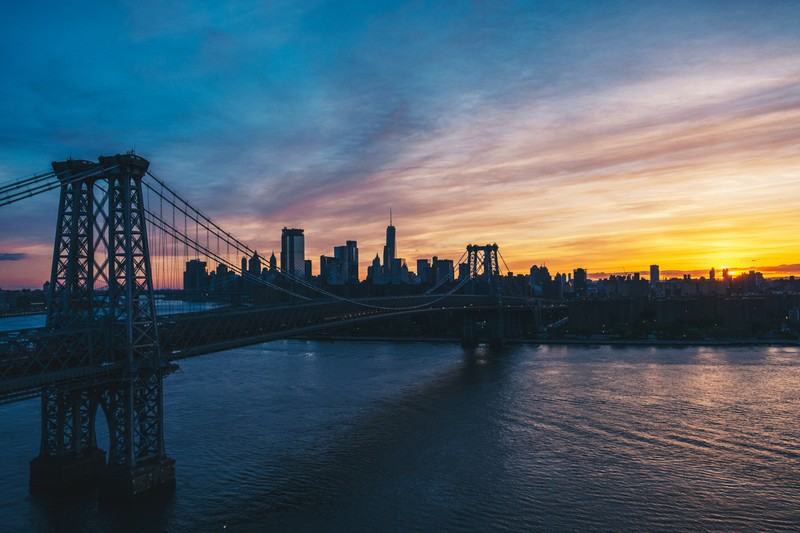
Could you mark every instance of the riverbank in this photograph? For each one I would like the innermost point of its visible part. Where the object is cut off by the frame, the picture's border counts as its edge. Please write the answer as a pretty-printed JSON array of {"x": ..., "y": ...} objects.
[{"x": 568, "y": 342}]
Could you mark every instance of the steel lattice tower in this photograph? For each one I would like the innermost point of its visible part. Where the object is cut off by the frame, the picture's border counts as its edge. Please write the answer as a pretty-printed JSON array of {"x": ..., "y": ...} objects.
[
  {"x": 101, "y": 280},
  {"x": 483, "y": 263},
  {"x": 484, "y": 275}
]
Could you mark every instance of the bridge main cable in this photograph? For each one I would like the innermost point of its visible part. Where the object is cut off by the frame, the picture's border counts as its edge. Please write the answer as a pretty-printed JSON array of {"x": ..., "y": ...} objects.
[
  {"x": 197, "y": 216},
  {"x": 170, "y": 230},
  {"x": 40, "y": 183}
]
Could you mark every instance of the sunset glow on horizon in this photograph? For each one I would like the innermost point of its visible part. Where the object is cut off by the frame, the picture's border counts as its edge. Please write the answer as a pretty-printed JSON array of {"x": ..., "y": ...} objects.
[{"x": 608, "y": 138}]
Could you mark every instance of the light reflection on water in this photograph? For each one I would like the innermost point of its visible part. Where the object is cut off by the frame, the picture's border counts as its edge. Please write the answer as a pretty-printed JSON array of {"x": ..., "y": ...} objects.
[{"x": 305, "y": 435}]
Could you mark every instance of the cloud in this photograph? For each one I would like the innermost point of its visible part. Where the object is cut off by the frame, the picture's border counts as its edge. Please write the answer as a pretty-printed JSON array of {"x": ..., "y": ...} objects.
[
  {"x": 781, "y": 269},
  {"x": 607, "y": 137},
  {"x": 12, "y": 256}
]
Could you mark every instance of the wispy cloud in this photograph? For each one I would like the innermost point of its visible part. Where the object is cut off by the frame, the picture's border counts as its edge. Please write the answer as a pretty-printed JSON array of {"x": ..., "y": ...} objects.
[{"x": 606, "y": 136}]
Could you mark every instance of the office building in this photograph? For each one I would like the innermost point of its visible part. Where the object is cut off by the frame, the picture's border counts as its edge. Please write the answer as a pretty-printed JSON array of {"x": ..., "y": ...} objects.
[
  {"x": 654, "y": 275},
  {"x": 423, "y": 270},
  {"x": 254, "y": 265},
  {"x": 348, "y": 257},
  {"x": 293, "y": 253},
  {"x": 331, "y": 271},
  {"x": 579, "y": 284},
  {"x": 195, "y": 277}
]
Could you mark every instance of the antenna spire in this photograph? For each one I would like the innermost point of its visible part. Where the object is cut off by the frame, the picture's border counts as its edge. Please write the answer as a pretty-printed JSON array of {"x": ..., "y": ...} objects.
[{"x": 390, "y": 216}]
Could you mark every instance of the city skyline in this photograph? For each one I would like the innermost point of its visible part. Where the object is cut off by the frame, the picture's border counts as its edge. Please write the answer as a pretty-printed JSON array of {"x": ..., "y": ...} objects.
[
  {"x": 605, "y": 137},
  {"x": 289, "y": 235}
]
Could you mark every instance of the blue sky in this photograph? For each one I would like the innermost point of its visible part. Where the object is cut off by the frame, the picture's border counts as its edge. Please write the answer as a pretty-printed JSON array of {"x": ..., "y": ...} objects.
[{"x": 607, "y": 135}]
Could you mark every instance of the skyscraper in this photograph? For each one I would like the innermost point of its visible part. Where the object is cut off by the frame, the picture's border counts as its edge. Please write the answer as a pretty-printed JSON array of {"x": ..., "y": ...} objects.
[
  {"x": 423, "y": 270},
  {"x": 348, "y": 255},
  {"x": 293, "y": 252},
  {"x": 195, "y": 277},
  {"x": 352, "y": 262},
  {"x": 654, "y": 274},
  {"x": 389, "y": 251},
  {"x": 331, "y": 270},
  {"x": 254, "y": 265},
  {"x": 580, "y": 281}
]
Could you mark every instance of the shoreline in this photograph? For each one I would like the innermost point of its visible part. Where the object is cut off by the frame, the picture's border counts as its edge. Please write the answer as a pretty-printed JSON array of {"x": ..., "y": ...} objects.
[{"x": 567, "y": 342}]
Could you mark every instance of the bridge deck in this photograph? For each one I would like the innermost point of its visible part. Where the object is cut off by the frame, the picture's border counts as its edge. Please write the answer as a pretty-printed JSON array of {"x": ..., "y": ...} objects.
[{"x": 35, "y": 358}]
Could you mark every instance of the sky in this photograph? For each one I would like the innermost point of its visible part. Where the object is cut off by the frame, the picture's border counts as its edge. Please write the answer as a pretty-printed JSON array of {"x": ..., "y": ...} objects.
[{"x": 606, "y": 135}]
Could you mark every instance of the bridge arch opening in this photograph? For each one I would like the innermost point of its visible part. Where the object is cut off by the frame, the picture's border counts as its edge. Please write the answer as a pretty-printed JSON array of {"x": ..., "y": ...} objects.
[{"x": 102, "y": 428}]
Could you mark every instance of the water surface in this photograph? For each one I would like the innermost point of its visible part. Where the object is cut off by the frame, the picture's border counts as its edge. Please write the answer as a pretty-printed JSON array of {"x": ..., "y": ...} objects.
[{"x": 301, "y": 435}]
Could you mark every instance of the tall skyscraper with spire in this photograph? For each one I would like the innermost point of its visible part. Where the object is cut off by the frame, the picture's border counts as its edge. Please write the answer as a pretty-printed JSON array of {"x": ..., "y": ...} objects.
[{"x": 389, "y": 251}]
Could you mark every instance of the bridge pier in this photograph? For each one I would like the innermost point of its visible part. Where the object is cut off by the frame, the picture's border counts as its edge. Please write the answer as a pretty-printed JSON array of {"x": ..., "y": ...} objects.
[
  {"x": 483, "y": 326},
  {"x": 68, "y": 454},
  {"x": 53, "y": 474},
  {"x": 146, "y": 478},
  {"x": 65, "y": 472},
  {"x": 469, "y": 333}
]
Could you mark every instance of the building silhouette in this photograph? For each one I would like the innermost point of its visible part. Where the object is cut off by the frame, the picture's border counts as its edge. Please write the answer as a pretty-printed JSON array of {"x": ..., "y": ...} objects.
[
  {"x": 654, "y": 275},
  {"x": 423, "y": 270},
  {"x": 347, "y": 256},
  {"x": 394, "y": 270},
  {"x": 330, "y": 270},
  {"x": 254, "y": 265},
  {"x": 389, "y": 250},
  {"x": 442, "y": 269},
  {"x": 579, "y": 283},
  {"x": 195, "y": 277},
  {"x": 293, "y": 253}
]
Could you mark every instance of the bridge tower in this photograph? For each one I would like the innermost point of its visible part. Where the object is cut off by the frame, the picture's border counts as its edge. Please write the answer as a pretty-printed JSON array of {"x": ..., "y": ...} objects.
[
  {"x": 484, "y": 272},
  {"x": 101, "y": 280}
]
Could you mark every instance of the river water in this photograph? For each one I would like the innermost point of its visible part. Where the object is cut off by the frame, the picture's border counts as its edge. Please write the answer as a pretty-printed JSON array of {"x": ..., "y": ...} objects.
[{"x": 364, "y": 436}]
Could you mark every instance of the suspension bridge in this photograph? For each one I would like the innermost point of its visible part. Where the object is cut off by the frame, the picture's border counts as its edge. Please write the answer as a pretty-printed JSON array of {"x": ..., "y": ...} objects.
[{"x": 121, "y": 234}]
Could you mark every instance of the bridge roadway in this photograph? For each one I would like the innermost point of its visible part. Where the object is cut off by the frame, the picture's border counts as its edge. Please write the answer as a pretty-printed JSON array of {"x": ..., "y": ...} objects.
[{"x": 36, "y": 358}]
